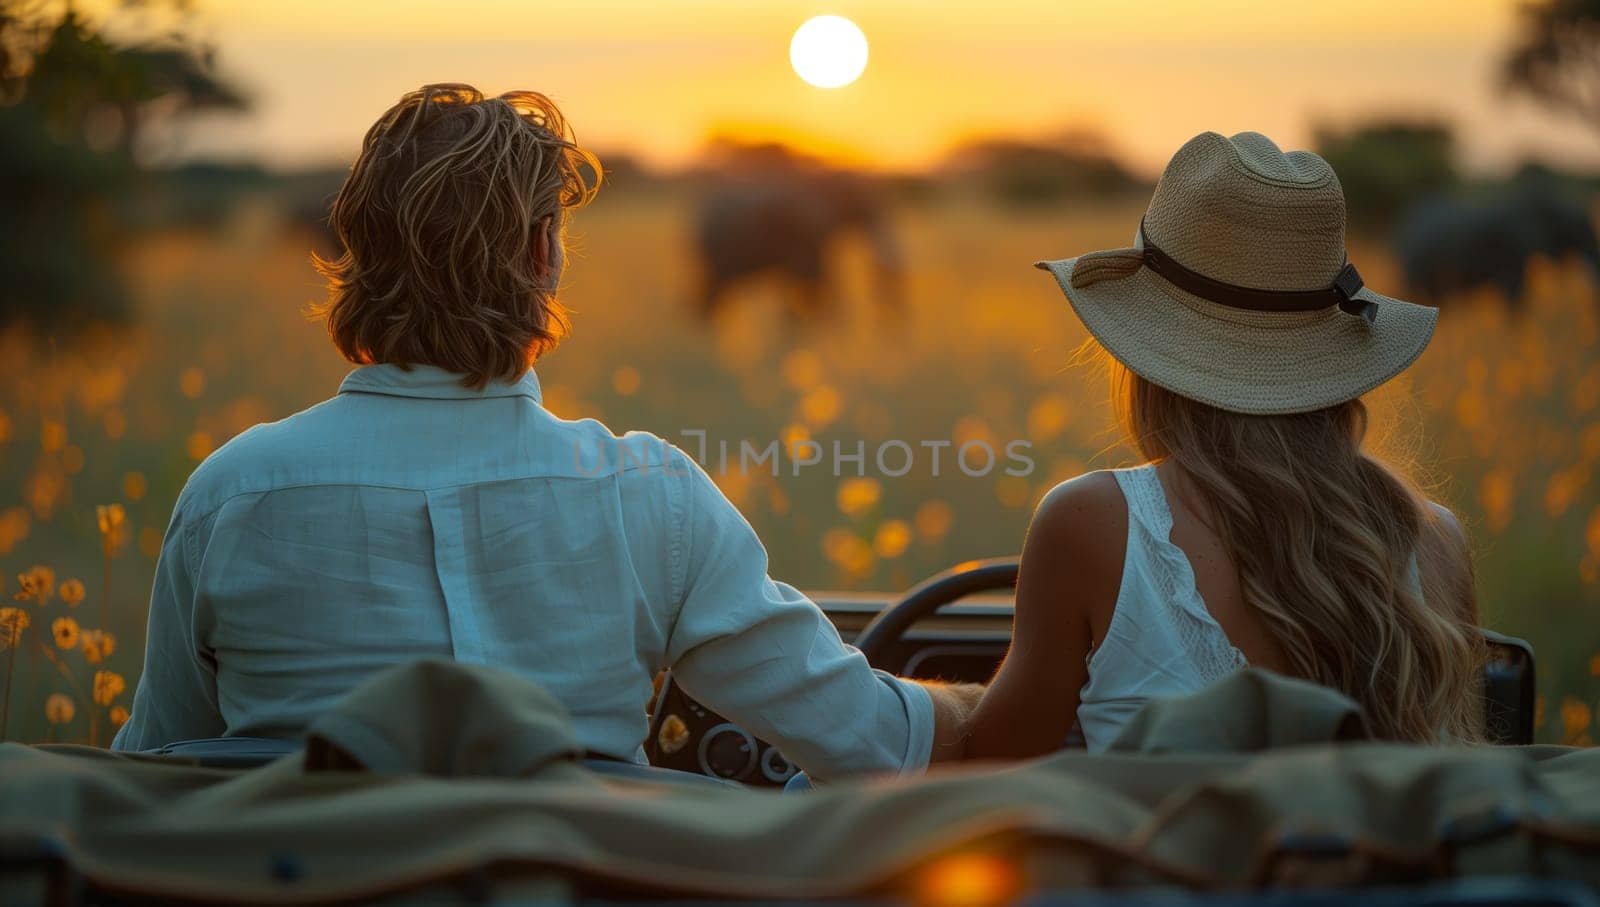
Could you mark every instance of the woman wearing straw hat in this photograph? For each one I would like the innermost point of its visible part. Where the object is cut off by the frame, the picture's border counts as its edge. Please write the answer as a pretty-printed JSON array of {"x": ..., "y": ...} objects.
[{"x": 1259, "y": 532}]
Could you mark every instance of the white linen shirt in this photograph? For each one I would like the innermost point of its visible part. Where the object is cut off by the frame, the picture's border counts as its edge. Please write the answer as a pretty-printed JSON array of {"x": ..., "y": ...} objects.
[{"x": 412, "y": 517}]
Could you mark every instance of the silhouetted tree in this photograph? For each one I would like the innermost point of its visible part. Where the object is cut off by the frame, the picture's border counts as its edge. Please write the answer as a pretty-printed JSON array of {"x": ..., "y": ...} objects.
[
  {"x": 1080, "y": 165},
  {"x": 1556, "y": 57},
  {"x": 1386, "y": 166},
  {"x": 73, "y": 106},
  {"x": 92, "y": 90}
]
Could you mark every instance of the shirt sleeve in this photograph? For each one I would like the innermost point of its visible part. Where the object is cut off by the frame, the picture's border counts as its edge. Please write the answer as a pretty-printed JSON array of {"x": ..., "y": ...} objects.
[
  {"x": 765, "y": 656},
  {"x": 177, "y": 694}
]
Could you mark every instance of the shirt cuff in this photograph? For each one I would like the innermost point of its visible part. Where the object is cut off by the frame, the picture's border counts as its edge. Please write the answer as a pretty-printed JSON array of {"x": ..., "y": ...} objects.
[{"x": 919, "y": 722}]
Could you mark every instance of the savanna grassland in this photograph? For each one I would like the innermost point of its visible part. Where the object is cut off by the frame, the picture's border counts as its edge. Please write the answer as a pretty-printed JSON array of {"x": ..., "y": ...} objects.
[{"x": 97, "y": 434}]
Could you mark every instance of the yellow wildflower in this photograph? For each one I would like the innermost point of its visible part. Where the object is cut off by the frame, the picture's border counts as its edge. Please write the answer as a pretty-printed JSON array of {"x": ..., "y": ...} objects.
[
  {"x": 858, "y": 495},
  {"x": 113, "y": 528},
  {"x": 1498, "y": 492},
  {"x": 1048, "y": 417},
  {"x": 119, "y": 716},
  {"x": 893, "y": 538},
  {"x": 973, "y": 430},
  {"x": 59, "y": 708},
  {"x": 820, "y": 405},
  {"x": 848, "y": 551},
  {"x": 72, "y": 592},
  {"x": 12, "y": 622},
  {"x": 110, "y": 517},
  {"x": 52, "y": 436},
  {"x": 38, "y": 584},
  {"x": 108, "y": 685},
  {"x": 97, "y": 645},
  {"x": 66, "y": 632},
  {"x": 792, "y": 435},
  {"x": 15, "y": 523}
]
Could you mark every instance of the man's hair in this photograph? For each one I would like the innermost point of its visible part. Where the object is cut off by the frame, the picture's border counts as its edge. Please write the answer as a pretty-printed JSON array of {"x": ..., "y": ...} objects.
[{"x": 439, "y": 218}]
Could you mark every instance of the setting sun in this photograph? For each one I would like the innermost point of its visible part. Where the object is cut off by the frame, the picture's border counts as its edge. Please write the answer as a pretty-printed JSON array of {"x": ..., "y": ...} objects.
[{"x": 828, "y": 51}]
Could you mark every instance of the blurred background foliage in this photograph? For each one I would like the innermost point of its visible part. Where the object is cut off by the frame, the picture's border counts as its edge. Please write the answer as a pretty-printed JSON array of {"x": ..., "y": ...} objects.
[
  {"x": 1388, "y": 166},
  {"x": 74, "y": 107},
  {"x": 1552, "y": 58}
]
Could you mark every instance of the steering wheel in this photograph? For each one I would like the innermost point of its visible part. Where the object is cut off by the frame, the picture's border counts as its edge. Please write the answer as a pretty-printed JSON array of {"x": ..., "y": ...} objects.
[{"x": 928, "y": 597}]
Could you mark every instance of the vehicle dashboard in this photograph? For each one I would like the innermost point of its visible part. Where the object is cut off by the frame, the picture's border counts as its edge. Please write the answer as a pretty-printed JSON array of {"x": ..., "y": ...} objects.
[{"x": 964, "y": 642}]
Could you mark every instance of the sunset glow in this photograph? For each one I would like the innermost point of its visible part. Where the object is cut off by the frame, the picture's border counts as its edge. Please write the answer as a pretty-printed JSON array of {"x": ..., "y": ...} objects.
[
  {"x": 658, "y": 80},
  {"x": 828, "y": 51}
]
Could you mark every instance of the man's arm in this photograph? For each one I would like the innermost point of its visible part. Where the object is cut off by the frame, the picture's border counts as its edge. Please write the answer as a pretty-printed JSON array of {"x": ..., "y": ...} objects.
[
  {"x": 954, "y": 705},
  {"x": 764, "y": 655},
  {"x": 177, "y": 694}
]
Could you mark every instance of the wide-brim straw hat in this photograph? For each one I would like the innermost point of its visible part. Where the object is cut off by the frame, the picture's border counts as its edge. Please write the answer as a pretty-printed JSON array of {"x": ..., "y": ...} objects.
[{"x": 1238, "y": 293}]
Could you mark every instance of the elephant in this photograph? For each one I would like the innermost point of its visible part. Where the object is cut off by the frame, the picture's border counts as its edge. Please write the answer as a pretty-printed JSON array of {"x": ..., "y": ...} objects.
[
  {"x": 1448, "y": 244},
  {"x": 786, "y": 223}
]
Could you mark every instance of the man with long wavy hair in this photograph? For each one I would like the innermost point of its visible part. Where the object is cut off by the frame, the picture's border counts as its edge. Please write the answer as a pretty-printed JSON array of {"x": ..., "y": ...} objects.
[{"x": 434, "y": 508}]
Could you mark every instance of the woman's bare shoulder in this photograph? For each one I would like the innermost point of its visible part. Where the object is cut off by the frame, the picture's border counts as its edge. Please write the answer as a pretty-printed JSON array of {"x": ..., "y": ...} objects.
[
  {"x": 1062, "y": 593},
  {"x": 1072, "y": 561},
  {"x": 1090, "y": 497},
  {"x": 1084, "y": 519}
]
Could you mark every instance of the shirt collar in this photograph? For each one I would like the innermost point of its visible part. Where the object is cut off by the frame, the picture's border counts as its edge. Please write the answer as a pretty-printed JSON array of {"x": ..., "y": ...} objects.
[{"x": 433, "y": 383}]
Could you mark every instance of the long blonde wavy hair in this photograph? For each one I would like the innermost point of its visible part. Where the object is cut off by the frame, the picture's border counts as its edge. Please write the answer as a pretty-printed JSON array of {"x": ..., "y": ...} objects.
[{"x": 1325, "y": 537}]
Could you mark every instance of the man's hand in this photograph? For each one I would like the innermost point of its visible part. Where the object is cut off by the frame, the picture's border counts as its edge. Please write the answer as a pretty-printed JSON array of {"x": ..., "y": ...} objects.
[{"x": 953, "y": 705}]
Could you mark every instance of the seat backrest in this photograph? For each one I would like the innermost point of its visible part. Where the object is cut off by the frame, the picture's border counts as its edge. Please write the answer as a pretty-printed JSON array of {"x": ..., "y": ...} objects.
[
  {"x": 252, "y": 752},
  {"x": 1509, "y": 690}
]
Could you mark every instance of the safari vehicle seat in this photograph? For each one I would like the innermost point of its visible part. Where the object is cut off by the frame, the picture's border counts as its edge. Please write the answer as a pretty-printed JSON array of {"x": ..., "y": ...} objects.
[
  {"x": 252, "y": 752},
  {"x": 1509, "y": 689}
]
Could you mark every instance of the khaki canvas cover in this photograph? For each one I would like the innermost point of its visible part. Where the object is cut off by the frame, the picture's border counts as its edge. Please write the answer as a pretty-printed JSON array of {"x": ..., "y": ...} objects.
[{"x": 438, "y": 779}]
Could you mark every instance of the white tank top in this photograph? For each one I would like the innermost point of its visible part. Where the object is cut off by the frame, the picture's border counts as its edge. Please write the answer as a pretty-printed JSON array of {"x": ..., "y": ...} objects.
[{"x": 1161, "y": 641}]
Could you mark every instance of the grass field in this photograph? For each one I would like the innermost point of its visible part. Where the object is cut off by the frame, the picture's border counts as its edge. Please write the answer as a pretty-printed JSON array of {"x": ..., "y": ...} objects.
[{"x": 1502, "y": 417}]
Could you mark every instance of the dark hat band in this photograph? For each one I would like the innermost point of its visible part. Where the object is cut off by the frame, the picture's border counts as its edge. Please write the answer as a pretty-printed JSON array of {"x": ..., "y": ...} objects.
[{"x": 1346, "y": 284}]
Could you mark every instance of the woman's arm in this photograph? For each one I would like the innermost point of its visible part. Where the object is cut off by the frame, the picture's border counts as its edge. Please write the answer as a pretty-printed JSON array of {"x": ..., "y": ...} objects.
[{"x": 1071, "y": 569}]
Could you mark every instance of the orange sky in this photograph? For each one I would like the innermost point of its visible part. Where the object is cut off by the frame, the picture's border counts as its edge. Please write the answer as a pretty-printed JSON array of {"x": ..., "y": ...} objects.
[{"x": 658, "y": 77}]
